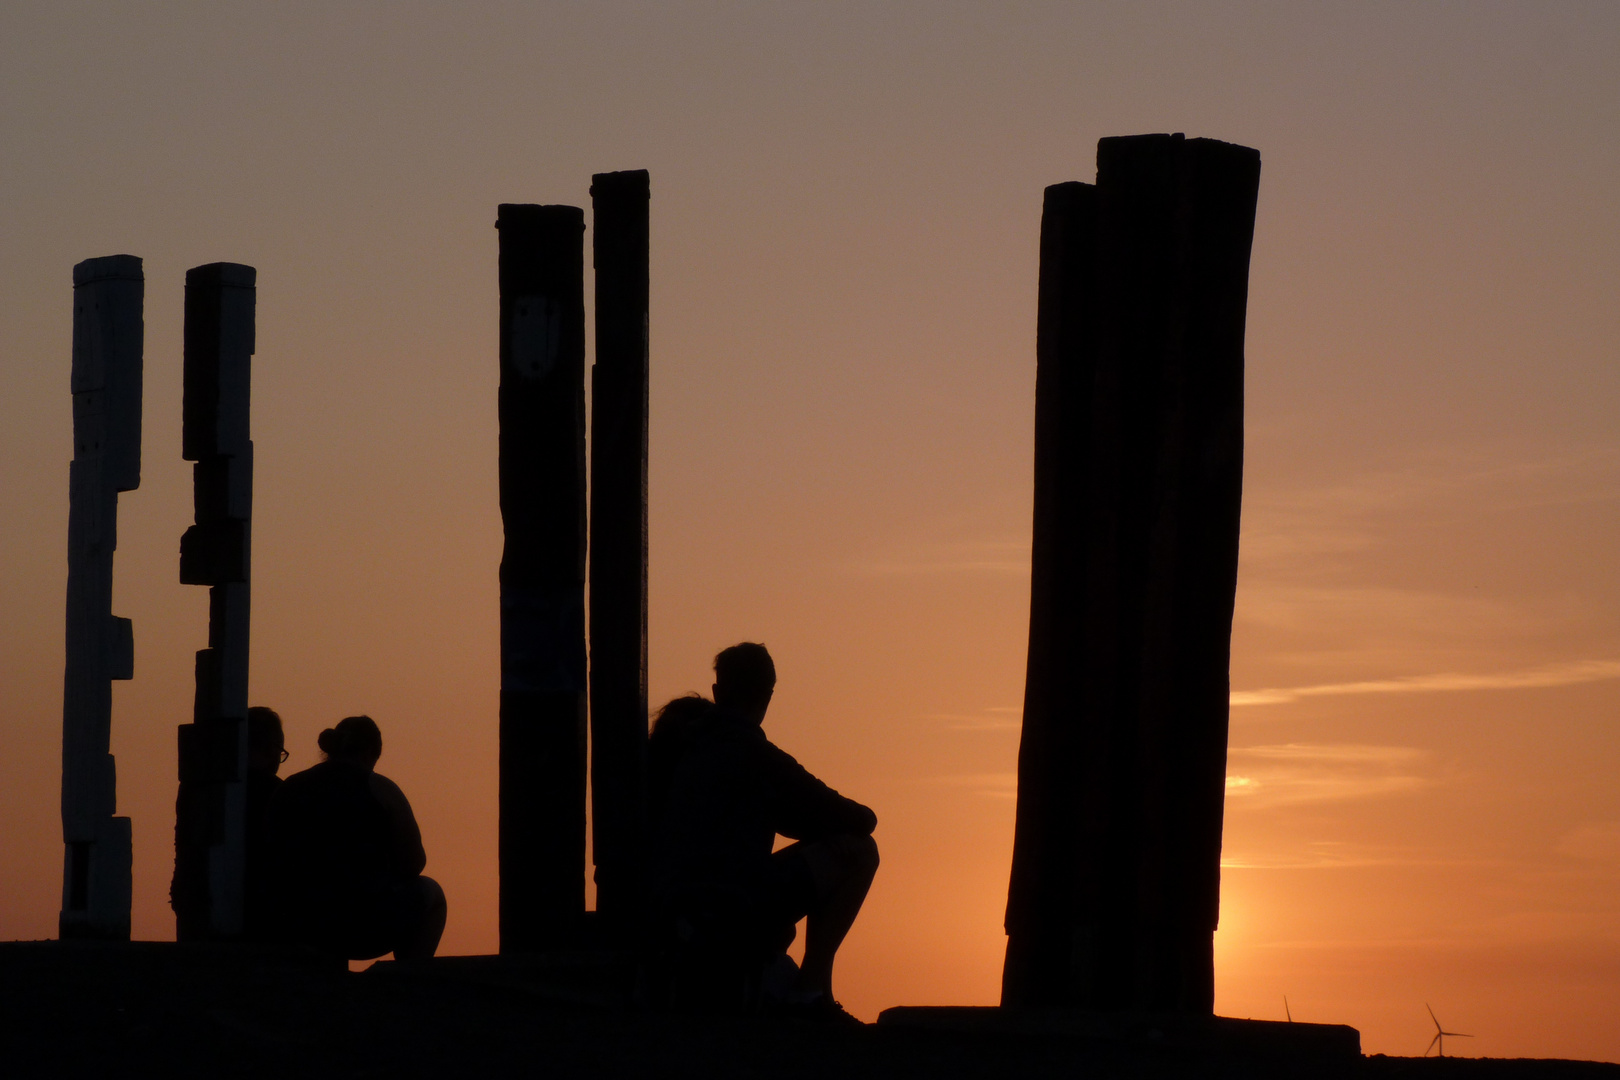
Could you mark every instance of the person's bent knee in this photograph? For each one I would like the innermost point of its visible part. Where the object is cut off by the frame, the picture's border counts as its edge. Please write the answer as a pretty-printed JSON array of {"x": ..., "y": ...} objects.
[
  {"x": 866, "y": 853},
  {"x": 419, "y": 938},
  {"x": 859, "y": 853}
]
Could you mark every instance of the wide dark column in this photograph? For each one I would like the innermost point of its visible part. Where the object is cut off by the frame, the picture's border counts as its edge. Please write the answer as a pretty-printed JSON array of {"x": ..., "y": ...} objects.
[
  {"x": 1142, "y": 713},
  {"x": 542, "y": 482},
  {"x": 216, "y": 552},
  {"x": 619, "y": 541},
  {"x": 1177, "y": 225},
  {"x": 108, "y": 328}
]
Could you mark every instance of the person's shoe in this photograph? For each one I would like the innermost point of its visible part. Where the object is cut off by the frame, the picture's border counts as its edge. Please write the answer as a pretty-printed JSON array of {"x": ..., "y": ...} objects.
[
  {"x": 819, "y": 1009},
  {"x": 831, "y": 1012}
]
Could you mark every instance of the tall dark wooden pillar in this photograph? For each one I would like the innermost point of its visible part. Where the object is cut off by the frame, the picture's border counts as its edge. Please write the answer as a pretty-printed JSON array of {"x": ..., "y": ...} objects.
[
  {"x": 1116, "y": 887},
  {"x": 107, "y": 340},
  {"x": 1051, "y": 849},
  {"x": 542, "y": 484},
  {"x": 618, "y": 566},
  {"x": 216, "y": 552}
]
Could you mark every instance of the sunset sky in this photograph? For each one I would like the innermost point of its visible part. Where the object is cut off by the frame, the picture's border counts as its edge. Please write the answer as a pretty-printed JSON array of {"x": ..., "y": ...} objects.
[{"x": 1425, "y": 736}]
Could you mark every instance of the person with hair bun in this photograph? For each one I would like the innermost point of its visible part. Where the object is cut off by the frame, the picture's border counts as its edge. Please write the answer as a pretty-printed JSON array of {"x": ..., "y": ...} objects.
[{"x": 350, "y": 856}]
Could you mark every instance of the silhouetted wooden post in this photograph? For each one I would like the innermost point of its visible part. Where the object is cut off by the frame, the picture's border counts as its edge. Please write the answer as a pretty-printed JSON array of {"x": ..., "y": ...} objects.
[
  {"x": 106, "y": 384},
  {"x": 216, "y": 551},
  {"x": 1049, "y": 852},
  {"x": 542, "y": 482},
  {"x": 618, "y": 567},
  {"x": 1136, "y": 723}
]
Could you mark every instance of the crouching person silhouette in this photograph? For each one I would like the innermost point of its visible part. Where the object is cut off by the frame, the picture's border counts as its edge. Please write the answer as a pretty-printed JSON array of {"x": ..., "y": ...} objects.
[
  {"x": 720, "y": 793},
  {"x": 350, "y": 858}
]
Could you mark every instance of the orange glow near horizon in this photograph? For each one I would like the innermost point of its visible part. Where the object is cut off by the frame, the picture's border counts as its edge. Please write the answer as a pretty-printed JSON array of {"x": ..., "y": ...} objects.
[{"x": 1426, "y": 656}]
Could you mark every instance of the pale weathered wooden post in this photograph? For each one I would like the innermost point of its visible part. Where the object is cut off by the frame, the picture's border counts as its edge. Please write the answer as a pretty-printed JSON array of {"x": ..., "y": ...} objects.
[
  {"x": 209, "y": 822},
  {"x": 106, "y": 383},
  {"x": 618, "y": 564},
  {"x": 542, "y": 490},
  {"x": 1116, "y": 889}
]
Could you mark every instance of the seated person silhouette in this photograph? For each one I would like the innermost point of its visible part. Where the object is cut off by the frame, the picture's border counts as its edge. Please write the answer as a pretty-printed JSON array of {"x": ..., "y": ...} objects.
[
  {"x": 721, "y": 793},
  {"x": 350, "y": 857},
  {"x": 188, "y": 892}
]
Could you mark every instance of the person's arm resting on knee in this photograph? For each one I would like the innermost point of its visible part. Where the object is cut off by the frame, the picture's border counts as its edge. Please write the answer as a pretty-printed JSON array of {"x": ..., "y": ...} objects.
[{"x": 801, "y": 806}]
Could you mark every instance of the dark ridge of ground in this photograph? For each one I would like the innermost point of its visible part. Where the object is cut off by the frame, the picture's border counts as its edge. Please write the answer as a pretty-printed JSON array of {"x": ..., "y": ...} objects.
[{"x": 71, "y": 1009}]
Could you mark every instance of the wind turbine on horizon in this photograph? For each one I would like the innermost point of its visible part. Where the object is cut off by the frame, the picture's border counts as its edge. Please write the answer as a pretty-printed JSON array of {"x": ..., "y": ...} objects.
[{"x": 1440, "y": 1034}]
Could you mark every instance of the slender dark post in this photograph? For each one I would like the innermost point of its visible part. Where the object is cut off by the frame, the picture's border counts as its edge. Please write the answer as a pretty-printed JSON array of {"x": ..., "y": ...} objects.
[
  {"x": 619, "y": 541},
  {"x": 1125, "y": 757},
  {"x": 1048, "y": 849},
  {"x": 216, "y": 551},
  {"x": 542, "y": 481},
  {"x": 106, "y": 381}
]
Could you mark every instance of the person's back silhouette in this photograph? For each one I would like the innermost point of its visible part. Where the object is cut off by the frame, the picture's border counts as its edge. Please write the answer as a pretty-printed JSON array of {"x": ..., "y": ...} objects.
[
  {"x": 350, "y": 855},
  {"x": 720, "y": 794}
]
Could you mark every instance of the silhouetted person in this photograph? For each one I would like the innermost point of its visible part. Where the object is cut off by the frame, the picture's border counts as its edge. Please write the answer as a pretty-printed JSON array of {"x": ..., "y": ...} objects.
[
  {"x": 267, "y": 749},
  {"x": 350, "y": 857},
  {"x": 673, "y": 731},
  {"x": 721, "y": 793},
  {"x": 265, "y": 752}
]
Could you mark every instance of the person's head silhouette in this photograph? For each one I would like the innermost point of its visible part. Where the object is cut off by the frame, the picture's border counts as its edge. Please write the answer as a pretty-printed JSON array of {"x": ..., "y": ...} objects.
[
  {"x": 267, "y": 745},
  {"x": 744, "y": 680},
  {"x": 355, "y": 740},
  {"x": 680, "y": 715}
]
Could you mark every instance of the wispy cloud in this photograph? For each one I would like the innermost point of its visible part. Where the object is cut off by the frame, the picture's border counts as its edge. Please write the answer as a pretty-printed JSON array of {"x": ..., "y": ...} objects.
[
  {"x": 1328, "y": 570},
  {"x": 996, "y": 785},
  {"x": 1370, "y": 610},
  {"x": 1567, "y": 674},
  {"x": 1331, "y": 753},
  {"x": 1341, "y": 516},
  {"x": 1293, "y": 773},
  {"x": 1337, "y": 855},
  {"x": 996, "y": 718},
  {"x": 1264, "y": 776}
]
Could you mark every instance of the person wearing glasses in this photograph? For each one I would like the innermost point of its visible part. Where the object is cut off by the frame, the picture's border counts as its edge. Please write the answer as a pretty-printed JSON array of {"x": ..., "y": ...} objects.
[
  {"x": 267, "y": 751},
  {"x": 188, "y": 893}
]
